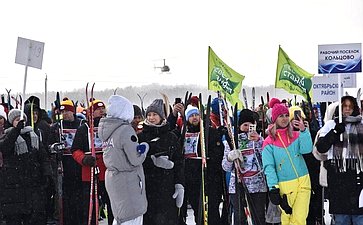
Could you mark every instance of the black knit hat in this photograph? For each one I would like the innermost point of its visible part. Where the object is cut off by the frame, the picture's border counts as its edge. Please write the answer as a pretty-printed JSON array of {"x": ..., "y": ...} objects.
[
  {"x": 137, "y": 111},
  {"x": 156, "y": 106},
  {"x": 246, "y": 115}
]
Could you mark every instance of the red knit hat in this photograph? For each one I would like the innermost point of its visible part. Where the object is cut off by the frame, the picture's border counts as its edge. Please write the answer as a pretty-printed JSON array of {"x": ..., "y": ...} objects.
[
  {"x": 277, "y": 108},
  {"x": 194, "y": 101},
  {"x": 67, "y": 104},
  {"x": 95, "y": 104}
]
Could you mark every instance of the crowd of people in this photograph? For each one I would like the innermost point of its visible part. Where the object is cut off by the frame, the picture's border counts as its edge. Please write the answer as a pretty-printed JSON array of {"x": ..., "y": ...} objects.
[{"x": 261, "y": 166}]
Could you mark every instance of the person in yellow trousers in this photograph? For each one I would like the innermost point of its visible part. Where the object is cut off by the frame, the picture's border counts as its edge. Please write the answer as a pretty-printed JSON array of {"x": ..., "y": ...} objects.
[{"x": 284, "y": 166}]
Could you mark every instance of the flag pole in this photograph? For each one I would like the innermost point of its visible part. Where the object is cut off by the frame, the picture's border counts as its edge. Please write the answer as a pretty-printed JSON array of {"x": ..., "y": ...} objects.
[{"x": 340, "y": 104}]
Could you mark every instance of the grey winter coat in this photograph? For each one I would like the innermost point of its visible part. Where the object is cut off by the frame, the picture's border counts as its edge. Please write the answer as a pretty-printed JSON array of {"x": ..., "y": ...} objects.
[{"x": 125, "y": 181}]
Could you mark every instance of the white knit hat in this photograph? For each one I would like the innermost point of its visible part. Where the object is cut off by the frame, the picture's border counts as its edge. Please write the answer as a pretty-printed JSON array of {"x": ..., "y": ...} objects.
[{"x": 15, "y": 113}]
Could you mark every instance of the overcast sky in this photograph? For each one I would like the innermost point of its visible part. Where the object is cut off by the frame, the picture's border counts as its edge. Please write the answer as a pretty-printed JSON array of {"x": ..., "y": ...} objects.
[{"x": 118, "y": 43}]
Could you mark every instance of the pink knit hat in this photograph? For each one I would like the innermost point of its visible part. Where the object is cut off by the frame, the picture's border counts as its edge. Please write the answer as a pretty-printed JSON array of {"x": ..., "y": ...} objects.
[{"x": 277, "y": 108}]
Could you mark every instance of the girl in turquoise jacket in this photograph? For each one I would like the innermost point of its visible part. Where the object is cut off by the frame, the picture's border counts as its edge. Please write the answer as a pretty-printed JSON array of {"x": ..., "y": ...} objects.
[{"x": 284, "y": 166}]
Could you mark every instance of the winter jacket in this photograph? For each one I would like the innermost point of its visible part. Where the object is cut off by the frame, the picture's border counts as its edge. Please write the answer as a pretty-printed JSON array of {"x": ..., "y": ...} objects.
[
  {"x": 160, "y": 183},
  {"x": 80, "y": 147},
  {"x": 344, "y": 187},
  {"x": 125, "y": 180},
  {"x": 24, "y": 176},
  {"x": 41, "y": 127},
  {"x": 282, "y": 165},
  {"x": 253, "y": 175},
  {"x": 214, "y": 155},
  {"x": 71, "y": 169}
]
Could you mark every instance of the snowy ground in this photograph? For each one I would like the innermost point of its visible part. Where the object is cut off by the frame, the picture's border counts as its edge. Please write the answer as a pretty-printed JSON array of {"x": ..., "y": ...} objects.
[{"x": 190, "y": 218}]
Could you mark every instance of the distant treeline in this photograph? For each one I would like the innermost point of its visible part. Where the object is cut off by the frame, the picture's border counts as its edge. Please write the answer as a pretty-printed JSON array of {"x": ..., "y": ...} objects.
[{"x": 151, "y": 92}]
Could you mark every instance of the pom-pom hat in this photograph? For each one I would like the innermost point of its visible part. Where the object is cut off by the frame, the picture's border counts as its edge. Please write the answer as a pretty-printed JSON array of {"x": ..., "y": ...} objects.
[
  {"x": 277, "y": 109},
  {"x": 95, "y": 104},
  {"x": 67, "y": 104}
]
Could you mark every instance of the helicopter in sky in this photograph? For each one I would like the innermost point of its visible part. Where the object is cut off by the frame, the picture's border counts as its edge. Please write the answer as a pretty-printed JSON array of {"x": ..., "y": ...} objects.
[{"x": 164, "y": 69}]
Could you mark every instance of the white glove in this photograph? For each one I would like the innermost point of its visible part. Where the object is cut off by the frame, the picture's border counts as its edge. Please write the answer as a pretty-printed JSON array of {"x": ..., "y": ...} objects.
[
  {"x": 234, "y": 154},
  {"x": 162, "y": 162},
  {"x": 179, "y": 195}
]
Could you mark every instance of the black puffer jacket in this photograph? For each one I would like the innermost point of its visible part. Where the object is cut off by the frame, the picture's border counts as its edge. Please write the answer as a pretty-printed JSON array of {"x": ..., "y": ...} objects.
[
  {"x": 23, "y": 177},
  {"x": 160, "y": 183}
]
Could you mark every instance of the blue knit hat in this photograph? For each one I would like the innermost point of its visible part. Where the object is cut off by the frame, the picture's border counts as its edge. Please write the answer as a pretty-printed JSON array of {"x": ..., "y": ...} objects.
[
  {"x": 190, "y": 111},
  {"x": 215, "y": 106}
]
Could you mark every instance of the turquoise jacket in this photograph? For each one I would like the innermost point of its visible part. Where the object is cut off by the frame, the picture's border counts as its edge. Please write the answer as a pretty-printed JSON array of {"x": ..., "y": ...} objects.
[{"x": 288, "y": 164}]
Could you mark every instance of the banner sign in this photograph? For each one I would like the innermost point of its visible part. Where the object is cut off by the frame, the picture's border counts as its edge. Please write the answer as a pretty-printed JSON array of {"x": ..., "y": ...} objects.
[
  {"x": 291, "y": 77},
  {"x": 340, "y": 58},
  {"x": 223, "y": 78},
  {"x": 325, "y": 88},
  {"x": 29, "y": 53}
]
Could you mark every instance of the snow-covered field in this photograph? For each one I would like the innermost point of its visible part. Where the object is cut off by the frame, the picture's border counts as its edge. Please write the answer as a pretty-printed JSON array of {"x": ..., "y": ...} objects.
[{"x": 190, "y": 218}]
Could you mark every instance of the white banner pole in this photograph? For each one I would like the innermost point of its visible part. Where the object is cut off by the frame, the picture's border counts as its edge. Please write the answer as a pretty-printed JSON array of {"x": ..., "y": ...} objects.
[
  {"x": 339, "y": 100},
  {"x": 24, "y": 87}
]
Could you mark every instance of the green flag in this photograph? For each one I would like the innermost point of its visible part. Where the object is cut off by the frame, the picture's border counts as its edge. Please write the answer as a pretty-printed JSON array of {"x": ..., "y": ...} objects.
[
  {"x": 291, "y": 77},
  {"x": 224, "y": 79}
]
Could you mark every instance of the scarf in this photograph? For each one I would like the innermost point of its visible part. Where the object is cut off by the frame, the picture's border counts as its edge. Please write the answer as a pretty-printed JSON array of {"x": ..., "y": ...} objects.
[
  {"x": 147, "y": 122},
  {"x": 351, "y": 147}
]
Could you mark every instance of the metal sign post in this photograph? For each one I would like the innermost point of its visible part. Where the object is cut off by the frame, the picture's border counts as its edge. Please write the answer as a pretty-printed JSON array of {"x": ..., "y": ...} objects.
[{"x": 28, "y": 53}]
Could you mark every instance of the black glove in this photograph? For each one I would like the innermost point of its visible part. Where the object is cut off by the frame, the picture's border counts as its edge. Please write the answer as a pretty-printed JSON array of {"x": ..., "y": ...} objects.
[
  {"x": 222, "y": 130},
  {"x": 20, "y": 125},
  {"x": 285, "y": 205},
  {"x": 339, "y": 128},
  {"x": 275, "y": 197},
  {"x": 89, "y": 160}
]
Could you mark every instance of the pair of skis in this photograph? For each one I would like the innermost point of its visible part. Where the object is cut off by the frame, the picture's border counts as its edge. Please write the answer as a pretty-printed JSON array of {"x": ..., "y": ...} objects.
[
  {"x": 238, "y": 176},
  {"x": 203, "y": 137},
  {"x": 253, "y": 98},
  {"x": 59, "y": 162},
  {"x": 91, "y": 138}
]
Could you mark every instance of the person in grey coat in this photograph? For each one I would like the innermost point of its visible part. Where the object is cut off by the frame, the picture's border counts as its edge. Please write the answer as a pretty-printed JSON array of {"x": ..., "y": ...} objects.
[{"x": 123, "y": 157}]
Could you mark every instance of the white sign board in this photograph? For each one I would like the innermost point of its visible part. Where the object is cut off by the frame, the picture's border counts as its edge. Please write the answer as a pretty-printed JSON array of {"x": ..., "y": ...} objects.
[
  {"x": 340, "y": 58},
  {"x": 325, "y": 88},
  {"x": 349, "y": 80},
  {"x": 29, "y": 53}
]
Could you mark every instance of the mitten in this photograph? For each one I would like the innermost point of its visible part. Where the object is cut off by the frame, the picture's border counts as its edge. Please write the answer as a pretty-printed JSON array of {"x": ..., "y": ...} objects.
[
  {"x": 285, "y": 205},
  {"x": 339, "y": 128},
  {"x": 162, "y": 162},
  {"x": 142, "y": 148},
  {"x": 233, "y": 155},
  {"x": 89, "y": 160},
  {"x": 274, "y": 195},
  {"x": 179, "y": 195},
  {"x": 20, "y": 125}
]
